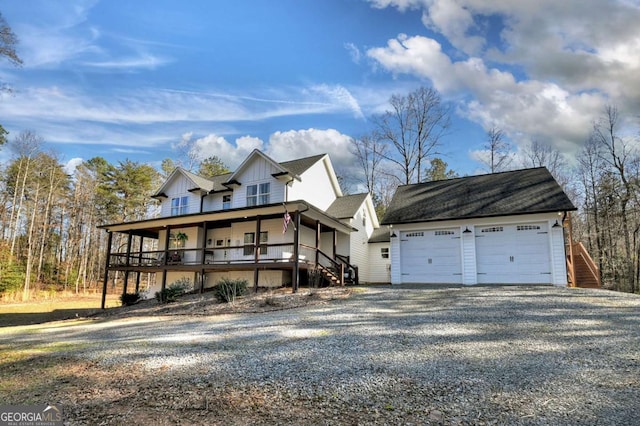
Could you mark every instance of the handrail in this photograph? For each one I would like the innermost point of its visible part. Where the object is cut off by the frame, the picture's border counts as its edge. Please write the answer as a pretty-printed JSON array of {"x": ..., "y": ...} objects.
[
  {"x": 593, "y": 268},
  {"x": 336, "y": 266}
]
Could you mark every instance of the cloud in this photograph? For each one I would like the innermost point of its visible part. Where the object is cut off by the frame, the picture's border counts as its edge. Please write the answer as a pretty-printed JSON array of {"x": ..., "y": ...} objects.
[
  {"x": 340, "y": 96},
  {"x": 552, "y": 69},
  {"x": 354, "y": 52},
  {"x": 231, "y": 154},
  {"x": 294, "y": 144},
  {"x": 70, "y": 166}
]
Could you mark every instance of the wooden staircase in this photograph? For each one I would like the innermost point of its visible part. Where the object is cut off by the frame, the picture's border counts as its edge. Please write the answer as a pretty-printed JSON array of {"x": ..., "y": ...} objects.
[{"x": 582, "y": 270}]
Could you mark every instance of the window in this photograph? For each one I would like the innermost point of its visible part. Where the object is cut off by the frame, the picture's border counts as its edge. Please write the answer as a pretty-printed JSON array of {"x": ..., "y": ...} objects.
[
  {"x": 179, "y": 206},
  {"x": 493, "y": 229},
  {"x": 364, "y": 218},
  {"x": 249, "y": 242},
  {"x": 445, "y": 233},
  {"x": 264, "y": 239},
  {"x": 414, "y": 234},
  {"x": 384, "y": 252},
  {"x": 528, "y": 227},
  {"x": 258, "y": 194},
  {"x": 226, "y": 202}
]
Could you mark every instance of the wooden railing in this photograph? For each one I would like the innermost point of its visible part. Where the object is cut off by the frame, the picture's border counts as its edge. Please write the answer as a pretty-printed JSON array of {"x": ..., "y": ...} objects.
[{"x": 592, "y": 271}]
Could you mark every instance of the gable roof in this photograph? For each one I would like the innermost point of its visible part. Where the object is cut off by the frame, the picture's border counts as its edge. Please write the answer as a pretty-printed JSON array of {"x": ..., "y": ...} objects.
[
  {"x": 301, "y": 165},
  {"x": 497, "y": 194},
  {"x": 346, "y": 206},
  {"x": 380, "y": 235}
]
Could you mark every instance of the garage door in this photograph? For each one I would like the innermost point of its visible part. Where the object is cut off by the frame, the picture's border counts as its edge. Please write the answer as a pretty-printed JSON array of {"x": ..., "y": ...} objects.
[
  {"x": 513, "y": 254},
  {"x": 431, "y": 256}
]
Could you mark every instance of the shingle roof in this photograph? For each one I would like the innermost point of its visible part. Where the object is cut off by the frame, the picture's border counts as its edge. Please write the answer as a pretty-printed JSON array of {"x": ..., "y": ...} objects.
[
  {"x": 498, "y": 194},
  {"x": 301, "y": 165},
  {"x": 346, "y": 206},
  {"x": 214, "y": 183},
  {"x": 380, "y": 235}
]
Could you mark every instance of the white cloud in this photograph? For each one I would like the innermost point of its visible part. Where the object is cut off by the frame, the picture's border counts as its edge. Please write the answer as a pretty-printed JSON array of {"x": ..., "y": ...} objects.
[
  {"x": 547, "y": 77},
  {"x": 354, "y": 52},
  {"x": 70, "y": 166},
  {"x": 294, "y": 144},
  {"x": 231, "y": 155}
]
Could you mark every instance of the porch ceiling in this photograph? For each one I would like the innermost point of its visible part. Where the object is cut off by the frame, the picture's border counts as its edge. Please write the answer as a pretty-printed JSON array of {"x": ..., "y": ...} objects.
[{"x": 151, "y": 227}]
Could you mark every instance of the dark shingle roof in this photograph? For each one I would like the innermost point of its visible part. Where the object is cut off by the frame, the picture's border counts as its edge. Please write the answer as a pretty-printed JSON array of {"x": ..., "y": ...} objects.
[
  {"x": 299, "y": 166},
  {"x": 380, "y": 235},
  {"x": 498, "y": 194},
  {"x": 346, "y": 206}
]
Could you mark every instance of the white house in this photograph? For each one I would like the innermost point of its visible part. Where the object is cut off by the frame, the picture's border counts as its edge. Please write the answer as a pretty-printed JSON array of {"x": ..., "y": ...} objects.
[
  {"x": 233, "y": 226},
  {"x": 501, "y": 228}
]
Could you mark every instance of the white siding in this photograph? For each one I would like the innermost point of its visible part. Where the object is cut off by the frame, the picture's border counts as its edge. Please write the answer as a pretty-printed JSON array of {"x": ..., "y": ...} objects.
[
  {"x": 469, "y": 269},
  {"x": 558, "y": 255},
  {"x": 256, "y": 172},
  {"x": 179, "y": 187},
  {"x": 378, "y": 269},
  {"x": 315, "y": 187}
]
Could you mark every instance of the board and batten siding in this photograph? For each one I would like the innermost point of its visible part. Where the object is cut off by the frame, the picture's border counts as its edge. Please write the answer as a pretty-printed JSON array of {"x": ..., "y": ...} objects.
[
  {"x": 469, "y": 247},
  {"x": 177, "y": 188}
]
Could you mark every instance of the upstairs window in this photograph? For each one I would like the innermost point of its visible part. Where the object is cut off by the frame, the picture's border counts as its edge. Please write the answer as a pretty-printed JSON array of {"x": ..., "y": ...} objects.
[
  {"x": 258, "y": 194},
  {"x": 226, "y": 202},
  {"x": 364, "y": 218},
  {"x": 179, "y": 206}
]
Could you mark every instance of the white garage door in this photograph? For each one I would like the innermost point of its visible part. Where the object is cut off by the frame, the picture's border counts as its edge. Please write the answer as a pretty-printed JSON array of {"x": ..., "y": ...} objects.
[
  {"x": 513, "y": 254},
  {"x": 431, "y": 256}
]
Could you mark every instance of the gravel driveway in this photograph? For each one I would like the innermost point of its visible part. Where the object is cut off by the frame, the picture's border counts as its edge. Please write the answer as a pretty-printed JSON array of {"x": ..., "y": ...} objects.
[{"x": 481, "y": 355}]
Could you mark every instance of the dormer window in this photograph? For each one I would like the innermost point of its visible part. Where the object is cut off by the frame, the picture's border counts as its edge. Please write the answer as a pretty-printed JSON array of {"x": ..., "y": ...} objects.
[
  {"x": 364, "y": 218},
  {"x": 226, "y": 202},
  {"x": 179, "y": 206},
  {"x": 258, "y": 194}
]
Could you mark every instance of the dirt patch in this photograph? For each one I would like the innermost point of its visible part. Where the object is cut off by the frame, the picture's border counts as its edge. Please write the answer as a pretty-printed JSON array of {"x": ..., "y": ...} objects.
[{"x": 206, "y": 303}]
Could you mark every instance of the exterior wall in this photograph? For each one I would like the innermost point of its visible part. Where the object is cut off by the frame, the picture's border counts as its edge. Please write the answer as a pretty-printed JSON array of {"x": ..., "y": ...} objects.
[
  {"x": 315, "y": 187},
  {"x": 256, "y": 172},
  {"x": 269, "y": 279},
  {"x": 379, "y": 269},
  {"x": 179, "y": 187},
  {"x": 468, "y": 244},
  {"x": 213, "y": 202}
]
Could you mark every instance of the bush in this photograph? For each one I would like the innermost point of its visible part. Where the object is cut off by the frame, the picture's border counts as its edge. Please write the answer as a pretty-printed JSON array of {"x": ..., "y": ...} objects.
[
  {"x": 227, "y": 290},
  {"x": 175, "y": 290},
  {"x": 128, "y": 299}
]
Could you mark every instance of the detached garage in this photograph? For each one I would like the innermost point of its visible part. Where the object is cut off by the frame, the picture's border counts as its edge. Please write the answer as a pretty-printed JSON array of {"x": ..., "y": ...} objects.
[{"x": 500, "y": 228}]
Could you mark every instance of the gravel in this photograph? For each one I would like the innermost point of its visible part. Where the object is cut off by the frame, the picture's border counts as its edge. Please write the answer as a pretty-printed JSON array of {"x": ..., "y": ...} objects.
[{"x": 514, "y": 355}]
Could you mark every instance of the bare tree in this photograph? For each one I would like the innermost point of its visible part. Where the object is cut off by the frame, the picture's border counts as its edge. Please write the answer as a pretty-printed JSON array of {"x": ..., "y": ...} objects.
[
  {"x": 498, "y": 151},
  {"x": 539, "y": 154},
  {"x": 413, "y": 128}
]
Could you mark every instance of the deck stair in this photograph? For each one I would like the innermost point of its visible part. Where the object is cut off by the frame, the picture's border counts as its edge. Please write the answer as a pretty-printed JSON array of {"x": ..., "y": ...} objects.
[{"x": 583, "y": 271}]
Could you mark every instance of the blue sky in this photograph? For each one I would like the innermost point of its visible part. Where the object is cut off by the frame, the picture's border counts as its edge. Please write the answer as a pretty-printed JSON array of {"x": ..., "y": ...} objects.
[{"x": 135, "y": 79}]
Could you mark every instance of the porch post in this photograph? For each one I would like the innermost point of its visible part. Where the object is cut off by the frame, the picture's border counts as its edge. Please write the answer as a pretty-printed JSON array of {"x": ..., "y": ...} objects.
[
  {"x": 126, "y": 263},
  {"x": 204, "y": 255},
  {"x": 164, "y": 263},
  {"x": 295, "y": 279},
  {"x": 317, "y": 241},
  {"x": 139, "y": 263},
  {"x": 256, "y": 255},
  {"x": 335, "y": 243},
  {"x": 106, "y": 269}
]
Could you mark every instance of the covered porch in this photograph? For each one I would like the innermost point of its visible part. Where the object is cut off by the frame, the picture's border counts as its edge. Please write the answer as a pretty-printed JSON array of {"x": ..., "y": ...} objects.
[{"x": 253, "y": 241}]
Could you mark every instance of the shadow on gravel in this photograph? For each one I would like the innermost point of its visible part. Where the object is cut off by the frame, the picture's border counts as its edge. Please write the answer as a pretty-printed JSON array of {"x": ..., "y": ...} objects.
[{"x": 508, "y": 355}]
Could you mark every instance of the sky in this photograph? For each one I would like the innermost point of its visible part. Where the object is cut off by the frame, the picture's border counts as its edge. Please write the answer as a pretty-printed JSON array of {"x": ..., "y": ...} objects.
[{"x": 134, "y": 80}]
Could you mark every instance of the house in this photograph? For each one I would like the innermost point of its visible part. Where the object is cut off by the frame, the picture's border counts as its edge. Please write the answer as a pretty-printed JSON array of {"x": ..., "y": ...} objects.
[
  {"x": 500, "y": 228},
  {"x": 268, "y": 222}
]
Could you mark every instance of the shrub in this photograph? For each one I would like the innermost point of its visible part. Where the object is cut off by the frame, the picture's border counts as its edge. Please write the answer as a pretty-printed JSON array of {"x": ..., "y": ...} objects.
[
  {"x": 175, "y": 290},
  {"x": 128, "y": 299},
  {"x": 227, "y": 289}
]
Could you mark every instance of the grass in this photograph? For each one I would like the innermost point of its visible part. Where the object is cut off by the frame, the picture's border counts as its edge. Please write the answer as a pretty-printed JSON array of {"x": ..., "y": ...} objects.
[{"x": 36, "y": 312}]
